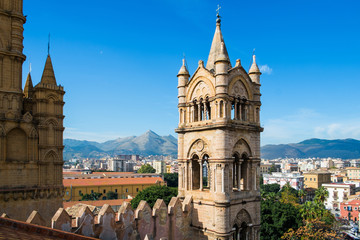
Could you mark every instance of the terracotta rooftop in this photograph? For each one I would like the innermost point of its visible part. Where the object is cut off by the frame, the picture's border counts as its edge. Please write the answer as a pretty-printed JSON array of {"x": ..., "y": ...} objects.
[
  {"x": 111, "y": 181},
  {"x": 12, "y": 229}
]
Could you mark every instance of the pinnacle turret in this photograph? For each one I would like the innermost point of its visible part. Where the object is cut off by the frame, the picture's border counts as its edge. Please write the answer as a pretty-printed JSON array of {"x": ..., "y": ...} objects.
[
  {"x": 254, "y": 71},
  {"x": 254, "y": 67},
  {"x": 217, "y": 47},
  {"x": 48, "y": 76},
  {"x": 183, "y": 70},
  {"x": 28, "y": 86}
]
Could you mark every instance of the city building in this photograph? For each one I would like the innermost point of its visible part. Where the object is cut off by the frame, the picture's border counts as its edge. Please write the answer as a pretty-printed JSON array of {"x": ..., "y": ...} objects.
[
  {"x": 31, "y": 128},
  {"x": 338, "y": 192},
  {"x": 337, "y": 178},
  {"x": 219, "y": 145},
  {"x": 121, "y": 165},
  {"x": 159, "y": 166},
  {"x": 97, "y": 175},
  {"x": 316, "y": 179},
  {"x": 353, "y": 173},
  {"x": 295, "y": 179},
  {"x": 350, "y": 210},
  {"x": 265, "y": 168},
  {"x": 124, "y": 187}
]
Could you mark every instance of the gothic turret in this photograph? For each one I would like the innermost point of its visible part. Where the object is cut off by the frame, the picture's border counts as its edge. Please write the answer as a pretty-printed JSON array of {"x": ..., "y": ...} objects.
[
  {"x": 219, "y": 145},
  {"x": 217, "y": 47},
  {"x": 28, "y": 89},
  {"x": 48, "y": 76},
  {"x": 254, "y": 71}
]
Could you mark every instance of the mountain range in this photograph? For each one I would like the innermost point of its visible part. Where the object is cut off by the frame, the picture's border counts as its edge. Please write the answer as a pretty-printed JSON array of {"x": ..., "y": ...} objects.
[
  {"x": 151, "y": 143},
  {"x": 148, "y": 143},
  {"x": 340, "y": 148}
]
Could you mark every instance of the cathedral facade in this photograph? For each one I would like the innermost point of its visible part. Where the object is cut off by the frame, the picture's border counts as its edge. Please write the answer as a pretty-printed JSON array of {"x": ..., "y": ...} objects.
[
  {"x": 219, "y": 145},
  {"x": 31, "y": 127}
]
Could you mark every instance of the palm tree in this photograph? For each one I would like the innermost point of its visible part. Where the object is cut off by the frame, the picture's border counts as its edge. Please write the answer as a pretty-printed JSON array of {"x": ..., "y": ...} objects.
[{"x": 321, "y": 194}]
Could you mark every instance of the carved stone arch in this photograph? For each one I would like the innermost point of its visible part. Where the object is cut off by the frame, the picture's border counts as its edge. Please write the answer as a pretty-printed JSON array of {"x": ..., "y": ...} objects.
[
  {"x": 242, "y": 147},
  {"x": 200, "y": 86},
  {"x": 203, "y": 155},
  {"x": 50, "y": 156},
  {"x": 239, "y": 87},
  {"x": 241, "y": 217},
  {"x": 33, "y": 133},
  {"x": 52, "y": 96},
  {"x": 52, "y": 121},
  {"x": 199, "y": 146}
]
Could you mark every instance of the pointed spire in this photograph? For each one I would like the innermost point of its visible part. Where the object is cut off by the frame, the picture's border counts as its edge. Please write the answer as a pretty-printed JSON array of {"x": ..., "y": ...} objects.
[
  {"x": 28, "y": 86},
  {"x": 48, "y": 76},
  {"x": 254, "y": 67},
  {"x": 217, "y": 46},
  {"x": 183, "y": 69}
]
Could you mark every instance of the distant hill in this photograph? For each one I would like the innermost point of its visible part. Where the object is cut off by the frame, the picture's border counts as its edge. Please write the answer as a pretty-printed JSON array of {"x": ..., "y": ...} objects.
[
  {"x": 344, "y": 148},
  {"x": 148, "y": 143}
]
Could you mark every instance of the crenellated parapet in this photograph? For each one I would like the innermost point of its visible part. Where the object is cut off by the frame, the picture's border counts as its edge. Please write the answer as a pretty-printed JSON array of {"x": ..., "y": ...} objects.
[{"x": 161, "y": 222}]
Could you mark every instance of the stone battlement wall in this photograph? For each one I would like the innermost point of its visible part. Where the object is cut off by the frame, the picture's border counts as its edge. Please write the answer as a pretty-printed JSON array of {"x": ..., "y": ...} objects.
[{"x": 159, "y": 223}]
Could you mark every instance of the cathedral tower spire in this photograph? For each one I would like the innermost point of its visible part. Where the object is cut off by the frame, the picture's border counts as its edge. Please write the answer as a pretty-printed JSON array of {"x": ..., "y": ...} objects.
[
  {"x": 217, "y": 47},
  {"x": 219, "y": 146},
  {"x": 48, "y": 76}
]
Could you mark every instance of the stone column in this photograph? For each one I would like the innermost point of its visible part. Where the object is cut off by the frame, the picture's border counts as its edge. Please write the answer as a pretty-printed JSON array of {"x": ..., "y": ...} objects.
[
  {"x": 186, "y": 176},
  {"x": 240, "y": 111},
  {"x": 201, "y": 175},
  {"x": 205, "y": 112},
  {"x": 199, "y": 112},
  {"x": 222, "y": 179},
  {"x": 239, "y": 175},
  {"x": 214, "y": 187}
]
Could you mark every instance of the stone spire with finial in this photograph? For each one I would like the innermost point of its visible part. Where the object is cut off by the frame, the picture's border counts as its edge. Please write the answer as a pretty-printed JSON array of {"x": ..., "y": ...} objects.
[
  {"x": 218, "y": 45},
  {"x": 254, "y": 71}
]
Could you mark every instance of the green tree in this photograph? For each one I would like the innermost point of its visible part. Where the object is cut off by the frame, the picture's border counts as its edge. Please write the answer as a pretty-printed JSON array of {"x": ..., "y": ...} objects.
[
  {"x": 172, "y": 179},
  {"x": 111, "y": 195},
  {"x": 288, "y": 194},
  {"x": 146, "y": 168},
  {"x": 268, "y": 188},
  {"x": 272, "y": 169},
  {"x": 151, "y": 194},
  {"x": 321, "y": 194},
  {"x": 277, "y": 218},
  {"x": 91, "y": 197}
]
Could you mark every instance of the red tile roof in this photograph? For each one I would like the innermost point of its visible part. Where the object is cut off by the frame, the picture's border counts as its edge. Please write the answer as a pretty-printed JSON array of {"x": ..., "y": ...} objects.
[{"x": 111, "y": 181}]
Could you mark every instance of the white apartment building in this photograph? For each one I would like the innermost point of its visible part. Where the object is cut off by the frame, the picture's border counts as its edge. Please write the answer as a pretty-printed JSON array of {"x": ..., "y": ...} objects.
[
  {"x": 159, "y": 166},
  {"x": 338, "y": 192},
  {"x": 295, "y": 179}
]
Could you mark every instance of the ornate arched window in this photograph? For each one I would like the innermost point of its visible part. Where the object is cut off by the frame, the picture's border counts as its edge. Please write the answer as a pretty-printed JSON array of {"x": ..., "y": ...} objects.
[
  {"x": 206, "y": 172},
  {"x": 244, "y": 179},
  {"x": 195, "y": 169}
]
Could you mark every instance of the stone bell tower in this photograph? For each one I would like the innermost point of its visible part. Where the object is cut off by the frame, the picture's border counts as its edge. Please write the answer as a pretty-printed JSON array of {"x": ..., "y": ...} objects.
[
  {"x": 219, "y": 145},
  {"x": 31, "y": 127}
]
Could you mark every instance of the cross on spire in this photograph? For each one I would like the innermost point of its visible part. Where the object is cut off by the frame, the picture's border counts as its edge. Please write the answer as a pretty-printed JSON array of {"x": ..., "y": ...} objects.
[{"x": 218, "y": 11}]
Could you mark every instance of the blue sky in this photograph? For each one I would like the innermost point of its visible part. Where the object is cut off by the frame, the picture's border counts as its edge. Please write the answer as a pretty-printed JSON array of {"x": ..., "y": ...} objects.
[{"x": 118, "y": 62}]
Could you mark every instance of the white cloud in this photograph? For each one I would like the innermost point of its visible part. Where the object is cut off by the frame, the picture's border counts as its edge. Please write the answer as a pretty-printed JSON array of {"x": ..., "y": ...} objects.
[
  {"x": 307, "y": 123},
  {"x": 266, "y": 69}
]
